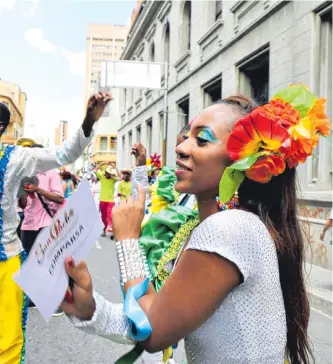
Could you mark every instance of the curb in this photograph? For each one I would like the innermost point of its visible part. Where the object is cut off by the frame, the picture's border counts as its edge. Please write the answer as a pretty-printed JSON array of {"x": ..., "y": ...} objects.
[{"x": 320, "y": 303}]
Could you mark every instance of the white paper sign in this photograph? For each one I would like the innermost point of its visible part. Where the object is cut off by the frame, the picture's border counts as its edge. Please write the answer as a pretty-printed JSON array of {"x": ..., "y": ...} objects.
[{"x": 73, "y": 232}]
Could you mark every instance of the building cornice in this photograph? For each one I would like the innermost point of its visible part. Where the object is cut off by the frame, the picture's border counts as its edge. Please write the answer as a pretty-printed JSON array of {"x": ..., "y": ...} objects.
[
  {"x": 164, "y": 11},
  {"x": 139, "y": 50},
  {"x": 216, "y": 26},
  {"x": 137, "y": 33},
  {"x": 151, "y": 32},
  {"x": 271, "y": 10}
]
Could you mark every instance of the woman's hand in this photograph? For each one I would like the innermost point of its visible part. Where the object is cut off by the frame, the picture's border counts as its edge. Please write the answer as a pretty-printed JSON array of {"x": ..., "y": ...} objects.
[
  {"x": 127, "y": 217},
  {"x": 80, "y": 301}
]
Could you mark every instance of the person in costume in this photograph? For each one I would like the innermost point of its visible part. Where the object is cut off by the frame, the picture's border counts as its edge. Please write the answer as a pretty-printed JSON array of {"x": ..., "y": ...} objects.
[
  {"x": 96, "y": 190},
  {"x": 124, "y": 187},
  {"x": 164, "y": 218},
  {"x": 236, "y": 292},
  {"x": 17, "y": 162},
  {"x": 67, "y": 184},
  {"x": 108, "y": 177},
  {"x": 154, "y": 175},
  {"x": 40, "y": 204},
  {"x": 24, "y": 142}
]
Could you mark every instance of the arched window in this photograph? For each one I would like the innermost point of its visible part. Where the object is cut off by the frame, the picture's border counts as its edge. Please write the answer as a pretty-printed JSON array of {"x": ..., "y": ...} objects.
[
  {"x": 152, "y": 53},
  {"x": 186, "y": 27},
  {"x": 166, "y": 51}
]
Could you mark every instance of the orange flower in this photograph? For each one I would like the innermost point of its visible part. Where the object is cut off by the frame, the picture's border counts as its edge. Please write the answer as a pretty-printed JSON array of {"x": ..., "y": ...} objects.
[
  {"x": 297, "y": 154},
  {"x": 304, "y": 139},
  {"x": 304, "y": 130},
  {"x": 282, "y": 112},
  {"x": 265, "y": 168},
  {"x": 317, "y": 113},
  {"x": 256, "y": 131}
]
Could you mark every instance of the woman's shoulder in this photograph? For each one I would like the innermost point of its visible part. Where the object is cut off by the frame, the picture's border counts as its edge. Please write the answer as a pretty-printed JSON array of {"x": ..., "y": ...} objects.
[
  {"x": 234, "y": 220},
  {"x": 238, "y": 236},
  {"x": 235, "y": 229}
]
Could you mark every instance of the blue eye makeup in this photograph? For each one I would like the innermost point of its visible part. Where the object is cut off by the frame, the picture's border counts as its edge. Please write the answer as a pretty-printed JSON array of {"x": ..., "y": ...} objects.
[{"x": 208, "y": 135}]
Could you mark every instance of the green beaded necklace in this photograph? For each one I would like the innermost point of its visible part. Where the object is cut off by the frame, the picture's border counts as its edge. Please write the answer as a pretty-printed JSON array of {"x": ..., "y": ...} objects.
[{"x": 180, "y": 237}]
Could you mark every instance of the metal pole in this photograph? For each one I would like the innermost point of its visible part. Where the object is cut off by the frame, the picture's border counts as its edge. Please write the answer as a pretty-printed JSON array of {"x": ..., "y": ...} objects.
[{"x": 165, "y": 113}]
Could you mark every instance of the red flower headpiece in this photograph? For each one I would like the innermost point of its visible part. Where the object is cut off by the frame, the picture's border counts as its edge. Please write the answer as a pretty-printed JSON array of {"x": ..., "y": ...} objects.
[{"x": 284, "y": 131}]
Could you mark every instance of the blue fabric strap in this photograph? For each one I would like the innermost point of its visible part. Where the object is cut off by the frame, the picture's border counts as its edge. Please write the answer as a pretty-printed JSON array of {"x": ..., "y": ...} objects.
[{"x": 139, "y": 323}]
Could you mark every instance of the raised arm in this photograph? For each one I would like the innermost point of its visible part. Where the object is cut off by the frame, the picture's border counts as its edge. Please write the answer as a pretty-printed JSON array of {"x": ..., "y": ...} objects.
[
  {"x": 327, "y": 226},
  {"x": 140, "y": 172},
  {"x": 30, "y": 161},
  {"x": 53, "y": 196},
  {"x": 100, "y": 165}
]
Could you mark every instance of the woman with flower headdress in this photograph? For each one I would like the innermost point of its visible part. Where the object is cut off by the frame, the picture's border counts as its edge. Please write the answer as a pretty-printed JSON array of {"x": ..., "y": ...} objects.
[{"x": 236, "y": 292}]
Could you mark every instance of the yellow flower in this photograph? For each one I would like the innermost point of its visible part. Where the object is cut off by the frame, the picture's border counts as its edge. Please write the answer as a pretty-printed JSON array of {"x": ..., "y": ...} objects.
[{"x": 317, "y": 113}]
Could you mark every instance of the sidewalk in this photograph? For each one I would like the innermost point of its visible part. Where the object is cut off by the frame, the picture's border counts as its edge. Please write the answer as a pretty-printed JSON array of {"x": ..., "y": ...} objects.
[{"x": 319, "y": 287}]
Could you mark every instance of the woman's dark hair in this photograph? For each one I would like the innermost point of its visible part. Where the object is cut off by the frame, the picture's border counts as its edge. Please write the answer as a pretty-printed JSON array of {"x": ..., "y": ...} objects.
[
  {"x": 74, "y": 179},
  {"x": 66, "y": 175},
  {"x": 275, "y": 204},
  {"x": 4, "y": 115},
  {"x": 185, "y": 129}
]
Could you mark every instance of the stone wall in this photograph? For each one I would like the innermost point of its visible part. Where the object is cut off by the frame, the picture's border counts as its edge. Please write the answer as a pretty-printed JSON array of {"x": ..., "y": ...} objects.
[{"x": 292, "y": 33}]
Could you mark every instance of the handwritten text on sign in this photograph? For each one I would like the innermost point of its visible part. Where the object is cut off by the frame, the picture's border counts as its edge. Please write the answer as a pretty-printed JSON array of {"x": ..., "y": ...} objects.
[{"x": 73, "y": 232}]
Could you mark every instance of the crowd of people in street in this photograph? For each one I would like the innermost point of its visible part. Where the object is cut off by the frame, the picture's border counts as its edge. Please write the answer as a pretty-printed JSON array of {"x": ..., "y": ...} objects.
[{"x": 210, "y": 252}]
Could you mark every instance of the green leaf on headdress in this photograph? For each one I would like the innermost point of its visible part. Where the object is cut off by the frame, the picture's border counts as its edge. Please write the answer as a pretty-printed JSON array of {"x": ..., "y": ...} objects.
[
  {"x": 234, "y": 175},
  {"x": 229, "y": 183},
  {"x": 299, "y": 97}
]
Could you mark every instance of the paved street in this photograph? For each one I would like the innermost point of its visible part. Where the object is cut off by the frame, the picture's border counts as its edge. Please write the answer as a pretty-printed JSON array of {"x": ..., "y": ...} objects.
[{"x": 58, "y": 342}]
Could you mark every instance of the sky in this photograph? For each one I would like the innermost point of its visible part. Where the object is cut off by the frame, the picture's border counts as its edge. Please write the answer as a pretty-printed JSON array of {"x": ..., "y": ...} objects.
[{"x": 42, "y": 49}]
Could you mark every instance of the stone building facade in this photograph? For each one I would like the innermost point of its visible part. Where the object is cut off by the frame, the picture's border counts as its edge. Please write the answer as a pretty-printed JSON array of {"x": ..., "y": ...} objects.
[
  {"x": 15, "y": 99},
  {"x": 220, "y": 48}
]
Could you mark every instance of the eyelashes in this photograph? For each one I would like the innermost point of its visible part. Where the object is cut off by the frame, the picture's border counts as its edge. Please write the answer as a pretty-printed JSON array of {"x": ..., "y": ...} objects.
[{"x": 207, "y": 135}]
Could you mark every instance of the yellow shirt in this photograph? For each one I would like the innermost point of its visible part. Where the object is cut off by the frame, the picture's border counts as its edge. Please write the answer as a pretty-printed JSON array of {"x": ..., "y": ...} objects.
[
  {"x": 124, "y": 188},
  {"x": 107, "y": 187}
]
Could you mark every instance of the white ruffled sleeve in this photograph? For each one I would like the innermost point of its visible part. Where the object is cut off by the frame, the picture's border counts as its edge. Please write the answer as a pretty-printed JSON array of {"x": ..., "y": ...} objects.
[
  {"x": 140, "y": 176},
  {"x": 108, "y": 321},
  {"x": 31, "y": 161}
]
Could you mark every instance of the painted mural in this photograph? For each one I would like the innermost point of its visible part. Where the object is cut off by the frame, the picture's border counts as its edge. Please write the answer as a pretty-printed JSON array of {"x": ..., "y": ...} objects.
[{"x": 313, "y": 218}]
